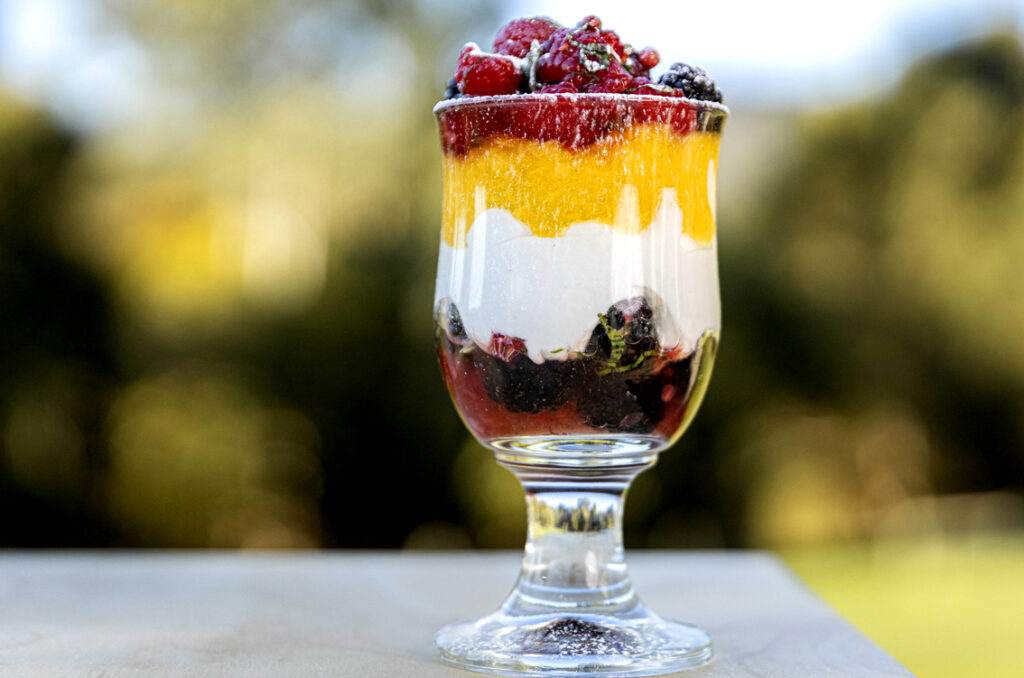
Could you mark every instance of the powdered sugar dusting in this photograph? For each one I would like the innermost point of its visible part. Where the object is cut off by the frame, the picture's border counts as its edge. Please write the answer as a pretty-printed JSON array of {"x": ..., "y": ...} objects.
[{"x": 579, "y": 96}]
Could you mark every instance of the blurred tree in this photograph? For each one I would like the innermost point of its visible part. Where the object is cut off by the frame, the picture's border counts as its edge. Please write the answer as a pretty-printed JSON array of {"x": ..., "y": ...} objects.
[
  {"x": 57, "y": 370},
  {"x": 223, "y": 337},
  {"x": 879, "y": 291},
  {"x": 291, "y": 230}
]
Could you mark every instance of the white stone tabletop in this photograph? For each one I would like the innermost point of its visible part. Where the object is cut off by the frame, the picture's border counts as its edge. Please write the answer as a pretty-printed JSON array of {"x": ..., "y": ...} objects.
[{"x": 367, "y": 615}]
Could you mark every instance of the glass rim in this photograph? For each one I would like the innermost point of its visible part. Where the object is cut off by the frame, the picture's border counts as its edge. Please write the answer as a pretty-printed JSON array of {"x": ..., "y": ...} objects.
[{"x": 590, "y": 97}]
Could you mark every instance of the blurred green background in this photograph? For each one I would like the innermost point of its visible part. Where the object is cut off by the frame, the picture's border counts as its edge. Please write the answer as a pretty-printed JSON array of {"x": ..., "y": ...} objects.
[{"x": 218, "y": 234}]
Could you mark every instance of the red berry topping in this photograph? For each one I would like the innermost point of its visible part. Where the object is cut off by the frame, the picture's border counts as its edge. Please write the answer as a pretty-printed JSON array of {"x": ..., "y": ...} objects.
[
  {"x": 481, "y": 74},
  {"x": 534, "y": 54},
  {"x": 537, "y": 55},
  {"x": 611, "y": 38},
  {"x": 613, "y": 80},
  {"x": 648, "y": 57},
  {"x": 584, "y": 50},
  {"x": 516, "y": 37},
  {"x": 560, "y": 59},
  {"x": 506, "y": 347}
]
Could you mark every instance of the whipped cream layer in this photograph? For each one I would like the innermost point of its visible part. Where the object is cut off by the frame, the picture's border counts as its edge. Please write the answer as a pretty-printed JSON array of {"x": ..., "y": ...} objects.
[{"x": 549, "y": 291}]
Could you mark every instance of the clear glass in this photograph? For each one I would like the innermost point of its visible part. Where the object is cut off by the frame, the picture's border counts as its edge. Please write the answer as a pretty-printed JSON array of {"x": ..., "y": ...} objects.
[{"x": 577, "y": 319}]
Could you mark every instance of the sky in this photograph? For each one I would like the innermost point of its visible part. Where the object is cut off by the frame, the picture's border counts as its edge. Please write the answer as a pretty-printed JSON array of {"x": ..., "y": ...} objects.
[
  {"x": 50, "y": 53},
  {"x": 782, "y": 54}
]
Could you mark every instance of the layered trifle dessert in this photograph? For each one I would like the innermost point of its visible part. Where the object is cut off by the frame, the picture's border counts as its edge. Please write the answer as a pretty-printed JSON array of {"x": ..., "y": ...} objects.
[
  {"x": 577, "y": 319},
  {"x": 577, "y": 289}
]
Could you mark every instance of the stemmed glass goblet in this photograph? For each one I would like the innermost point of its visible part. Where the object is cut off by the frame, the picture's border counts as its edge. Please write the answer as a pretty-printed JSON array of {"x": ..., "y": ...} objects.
[{"x": 577, "y": 318}]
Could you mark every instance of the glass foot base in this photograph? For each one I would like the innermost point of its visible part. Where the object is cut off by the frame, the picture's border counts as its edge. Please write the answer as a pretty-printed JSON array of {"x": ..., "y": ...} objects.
[{"x": 565, "y": 645}]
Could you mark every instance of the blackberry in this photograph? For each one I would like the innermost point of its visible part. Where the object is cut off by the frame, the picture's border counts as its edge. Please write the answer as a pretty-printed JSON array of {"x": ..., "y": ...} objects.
[
  {"x": 692, "y": 81},
  {"x": 655, "y": 392},
  {"x": 451, "y": 90},
  {"x": 521, "y": 385},
  {"x": 628, "y": 402},
  {"x": 450, "y": 320},
  {"x": 634, "y": 317},
  {"x": 625, "y": 337},
  {"x": 648, "y": 393},
  {"x": 607, "y": 401}
]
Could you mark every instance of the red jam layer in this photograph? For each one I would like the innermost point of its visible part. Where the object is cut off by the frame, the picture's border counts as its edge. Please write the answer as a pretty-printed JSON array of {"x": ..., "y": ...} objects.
[{"x": 575, "y": 121}]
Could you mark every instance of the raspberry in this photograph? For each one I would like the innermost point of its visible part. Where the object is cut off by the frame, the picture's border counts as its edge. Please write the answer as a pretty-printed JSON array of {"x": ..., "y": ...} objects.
[
  {"x": 692, "y": 81},
  {"x": 481, "y": 74},
  {"x": 584, "y": 50},
  {"x": 559, "y": 60},
  {"x": 611, "y": 38},
  {"x": 515, "y": 37},
  {"x": 581, "y": 80},
  {"x": 506, "y": 347},
  {"x": 634, "y": 66},
  {"x": 615, "y": 80}
]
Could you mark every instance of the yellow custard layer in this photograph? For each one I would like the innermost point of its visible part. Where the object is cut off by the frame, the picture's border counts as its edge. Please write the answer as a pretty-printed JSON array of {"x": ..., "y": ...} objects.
[{"x": 619, "y": 181}]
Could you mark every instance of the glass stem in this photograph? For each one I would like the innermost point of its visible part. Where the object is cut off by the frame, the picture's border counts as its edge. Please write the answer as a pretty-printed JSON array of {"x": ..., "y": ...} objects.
[{"x": 574, "y": 563}]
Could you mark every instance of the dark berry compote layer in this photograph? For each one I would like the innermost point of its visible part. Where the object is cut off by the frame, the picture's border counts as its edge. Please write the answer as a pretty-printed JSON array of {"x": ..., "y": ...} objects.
[{"x": 625, "y": 382}]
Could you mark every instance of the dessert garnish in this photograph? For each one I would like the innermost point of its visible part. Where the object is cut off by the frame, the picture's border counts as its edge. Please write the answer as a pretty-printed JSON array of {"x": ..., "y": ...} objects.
[
  {"x": 539, "y": 55},
  {"x": 692, "y": 81}
]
